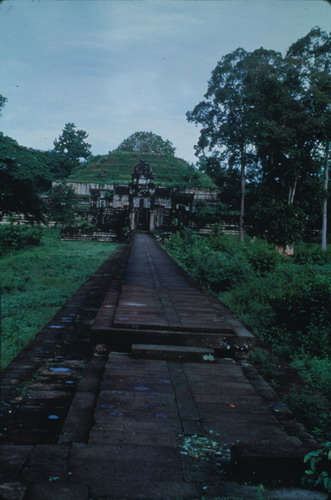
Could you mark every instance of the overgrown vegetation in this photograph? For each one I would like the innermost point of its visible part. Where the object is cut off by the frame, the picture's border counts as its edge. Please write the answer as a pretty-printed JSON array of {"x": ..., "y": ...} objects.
[
  {"x": 18, "y": 237},
  {"x": 319, "y": 471},
  {"x": 283, "y": 301},
  {"x": 118, "y": 166},
  {"x": 37, "y": 281}
]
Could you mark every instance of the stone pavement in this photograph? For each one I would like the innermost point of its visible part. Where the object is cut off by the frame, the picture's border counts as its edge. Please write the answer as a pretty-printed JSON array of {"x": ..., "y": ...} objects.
[
  {"x": 155, "y": 302},
  {"x": 161, "y": 428}
]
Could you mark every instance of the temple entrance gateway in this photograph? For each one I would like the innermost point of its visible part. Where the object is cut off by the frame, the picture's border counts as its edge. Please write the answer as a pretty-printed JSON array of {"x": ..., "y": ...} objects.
[
  {"x": 141, "y": 203},
  {"x": 142, "y": 197},
  {"x": 143, "y": 219}
]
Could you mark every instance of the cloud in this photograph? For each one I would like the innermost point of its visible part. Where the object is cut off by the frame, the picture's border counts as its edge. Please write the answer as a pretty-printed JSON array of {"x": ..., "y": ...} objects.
[{"x": 114, "y": 67}]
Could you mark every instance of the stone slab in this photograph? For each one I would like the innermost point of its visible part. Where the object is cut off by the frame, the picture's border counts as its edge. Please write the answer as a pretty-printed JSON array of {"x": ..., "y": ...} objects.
[
  {"x": 59, "y": 490},
  {"x": 12, "y": 491},
  {"x": 12, "y": 459},
  {"x": 169, "y": 352},
  {"x": 155, "y": 472},
  {"x": 269, "y": 462}
]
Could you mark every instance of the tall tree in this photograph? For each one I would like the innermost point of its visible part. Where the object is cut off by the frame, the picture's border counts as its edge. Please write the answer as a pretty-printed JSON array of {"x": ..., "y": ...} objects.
[
  {"x": 312, "y": 56},
  {"x": 147, "y": 142},
  {"x": 279, "y": 132},
  {"x": 225, "y": 117},
  {"x": 70, "y": 149}
]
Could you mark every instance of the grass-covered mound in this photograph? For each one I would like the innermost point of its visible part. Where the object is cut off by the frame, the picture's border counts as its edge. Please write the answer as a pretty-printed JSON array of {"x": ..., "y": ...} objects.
[{"x": 117, "y": 167}]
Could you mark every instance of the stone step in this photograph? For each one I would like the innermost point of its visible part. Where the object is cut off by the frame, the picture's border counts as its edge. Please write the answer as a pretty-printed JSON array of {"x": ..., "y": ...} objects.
[
  {"x": 172, "y": 352},
  {"x": 121, "y": 339}
]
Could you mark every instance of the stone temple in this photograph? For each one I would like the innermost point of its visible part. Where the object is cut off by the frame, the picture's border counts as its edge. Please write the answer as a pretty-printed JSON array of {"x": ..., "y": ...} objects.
[{"x": 141, "y": 204}]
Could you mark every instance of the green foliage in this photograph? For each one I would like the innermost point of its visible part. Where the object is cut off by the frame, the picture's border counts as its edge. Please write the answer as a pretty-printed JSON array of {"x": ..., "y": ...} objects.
[
  {"x": 216, "y": 270},
  {"x": 308, "y": 253},
  {"x": 24, "y": 175},
  {"x": 278, "y": 223},
  {"x": 289, "y": 308},
  {"x": 204, "y": 214},
  {"x": 310, "y": 410},
  {"x": 315, "y": 371},
  {"x": 303, "y": 314},
  {"x": 61, "y": 204},
  {"x": 268, "y": 116},
  {"x": 36, "y": 282},
  {"x": 118, "y": 166},
  {"x": 147, "y": 142},
  {"x": 285, "y": 304},
  {"x": 70, "y": 148},
  {"x": 319, "y": 472},
  {"x": 18, "y": 237},
  {"x": 265, "y": 361},
  {"x": 262, "y": 257}
]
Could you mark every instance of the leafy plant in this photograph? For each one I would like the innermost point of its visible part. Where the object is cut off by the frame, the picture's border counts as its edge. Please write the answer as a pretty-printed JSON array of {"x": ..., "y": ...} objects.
[
  {"x": 311, "y": 410},
  {"x": 262, "y": 257},
  {"x": 319, "y": 472},
  {"x": 18, "y": 237},
  {"x": 316, "y": 371}
]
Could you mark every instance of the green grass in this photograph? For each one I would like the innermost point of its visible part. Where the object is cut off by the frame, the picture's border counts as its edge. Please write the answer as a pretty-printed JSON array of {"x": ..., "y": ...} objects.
[
  {"x": 118, "y": 166},
  {"x": 36, "y": 282}
]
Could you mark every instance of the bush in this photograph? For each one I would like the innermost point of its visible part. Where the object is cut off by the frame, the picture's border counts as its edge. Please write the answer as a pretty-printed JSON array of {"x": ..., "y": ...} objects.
[
  {"x": 311, "y": 410},
  {"x": 18, "y": 237},
  {"x": 303, "y": 310},
  {"x": 212, "y": 268},
  {"x": 319, "y": 473},
  {"x": 286, "y": 304},
  {"x": 262, "y": 257},
  {"x": 311, "y": 254},
  {"x": 315, "y": 371}
]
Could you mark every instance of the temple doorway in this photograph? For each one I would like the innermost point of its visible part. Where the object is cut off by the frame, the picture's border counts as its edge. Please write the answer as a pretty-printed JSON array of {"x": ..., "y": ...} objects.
[{"x": 143, "y": 217}]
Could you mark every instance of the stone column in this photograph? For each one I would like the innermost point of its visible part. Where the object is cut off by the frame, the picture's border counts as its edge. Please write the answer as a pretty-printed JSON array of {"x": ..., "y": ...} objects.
[
  {"x": 151, "y": 220},
  {"x": 132, "y": 220}
]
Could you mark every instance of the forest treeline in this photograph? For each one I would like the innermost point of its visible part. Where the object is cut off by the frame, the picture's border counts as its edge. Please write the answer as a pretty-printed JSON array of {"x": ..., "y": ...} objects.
[{"x": 266, "y": 128}]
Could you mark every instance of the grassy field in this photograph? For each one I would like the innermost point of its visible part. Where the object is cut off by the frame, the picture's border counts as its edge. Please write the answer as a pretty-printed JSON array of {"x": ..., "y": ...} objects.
[{"x": 37, "y": 281}]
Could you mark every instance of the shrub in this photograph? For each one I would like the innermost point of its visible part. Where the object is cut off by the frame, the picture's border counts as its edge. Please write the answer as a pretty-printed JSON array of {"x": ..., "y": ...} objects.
[
  {"x": 18, "y": 237},
  {"x": 315, "y": 371},
  {"x": 304, "y": 310},
  {"x": 262, "y": 257},
  {"x": 319, "y": 473},
  {"x": 311, "y": 254},
  {"x": 311, "y": 410},
  {"x": 213, "y": 269}
]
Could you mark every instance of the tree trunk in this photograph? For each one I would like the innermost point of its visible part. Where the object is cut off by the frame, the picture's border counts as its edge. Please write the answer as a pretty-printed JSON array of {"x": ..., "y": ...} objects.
[
  {"x": 291, "y": 192},
  {"x": 288, "y": 249},
  {"x": 242, "y": 196},
  {"x": 325, "y": 203}
]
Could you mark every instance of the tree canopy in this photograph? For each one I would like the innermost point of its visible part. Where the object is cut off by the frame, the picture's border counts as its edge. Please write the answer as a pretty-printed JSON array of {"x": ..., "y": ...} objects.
[
  {"x": 70, "y": 148},
  {"x": 147, "y": 142},
  {"x": 24, "y": 175},
  {"x": 269, "y": 116}
]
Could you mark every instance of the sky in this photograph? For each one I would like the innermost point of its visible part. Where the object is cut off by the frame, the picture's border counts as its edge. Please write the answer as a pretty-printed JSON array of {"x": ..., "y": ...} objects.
[{"x": 115, "y": 67}]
